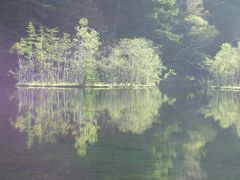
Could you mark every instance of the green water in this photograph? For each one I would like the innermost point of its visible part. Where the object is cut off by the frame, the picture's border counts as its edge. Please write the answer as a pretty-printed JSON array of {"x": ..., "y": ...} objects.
[{"x": 169, "y": 134}]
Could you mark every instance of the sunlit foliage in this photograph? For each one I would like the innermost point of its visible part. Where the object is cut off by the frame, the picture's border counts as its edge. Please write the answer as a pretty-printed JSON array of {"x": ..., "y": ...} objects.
[
  {"x": 134, "y": 61},
  {"x": 225, "y": 66},
  {"x": 46, "y": 57}
]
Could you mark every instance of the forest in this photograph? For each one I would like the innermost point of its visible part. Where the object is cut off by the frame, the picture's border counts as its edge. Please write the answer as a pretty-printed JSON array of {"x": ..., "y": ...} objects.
[{"x": 120, "y": 42}]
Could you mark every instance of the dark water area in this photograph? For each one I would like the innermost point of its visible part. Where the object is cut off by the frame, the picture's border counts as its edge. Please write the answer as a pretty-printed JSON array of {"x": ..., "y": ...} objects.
[{"x": 169, "y": 133}]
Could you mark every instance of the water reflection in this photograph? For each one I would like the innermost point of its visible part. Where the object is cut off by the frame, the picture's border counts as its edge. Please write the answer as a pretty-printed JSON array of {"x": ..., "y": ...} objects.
[
  {"x": 224, "y": 108},
  {"x": 222, "y": 155},
  {"x": 123, "y": 134},
  {"x": 194, "y": 133},
  {"x": 49, "y": 114},
  {"x": 133, "y": 110}
]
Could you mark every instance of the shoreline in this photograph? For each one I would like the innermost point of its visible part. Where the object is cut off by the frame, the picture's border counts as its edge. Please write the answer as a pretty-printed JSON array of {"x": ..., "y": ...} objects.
[
  {"x": 79, "y": 86},
  {"x": 225, "y": 88}
]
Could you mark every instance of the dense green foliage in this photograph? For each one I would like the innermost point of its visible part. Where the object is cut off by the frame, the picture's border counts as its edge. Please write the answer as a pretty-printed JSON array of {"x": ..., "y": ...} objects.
[
  {"x": 181, "y": 28},
  {"x": 133, "y": 61},
  {"x": 45, "y": 57},
  {"x": 187, "y": 31},
  {"x": 225, "y": 66}
]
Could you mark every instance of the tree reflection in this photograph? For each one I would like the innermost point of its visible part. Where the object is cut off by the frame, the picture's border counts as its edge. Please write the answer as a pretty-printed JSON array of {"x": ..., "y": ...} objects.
[
  {"x": 164, "y": 151},
  {"x": 108, "y": 125},
  {"x": 47, "y": 115},
  {"x": 195, "y": 133},
  {"x": 133, "y": 110},
  {"x": 224, "y": 107},
  {"x": 194, "y": 150}
]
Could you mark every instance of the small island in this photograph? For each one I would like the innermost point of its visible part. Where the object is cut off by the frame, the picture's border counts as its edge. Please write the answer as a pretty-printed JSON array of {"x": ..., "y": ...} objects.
[{"x": 48, "y": 58}]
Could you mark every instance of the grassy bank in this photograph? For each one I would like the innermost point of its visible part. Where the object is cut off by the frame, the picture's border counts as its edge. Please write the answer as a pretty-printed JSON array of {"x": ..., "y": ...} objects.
[
  {"x": 49, "y": 85},
  {"x": 226, "y": 88},
  {"x": 75, "y": 85}
]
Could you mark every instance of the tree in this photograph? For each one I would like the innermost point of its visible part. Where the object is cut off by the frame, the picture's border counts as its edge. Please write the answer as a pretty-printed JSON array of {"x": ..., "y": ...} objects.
[
  {"x": 197, "y": 40},
  {"x": 133, "y": 61},
  {"x": 25, "y": 49},
  {"x": 224, "y": 68},
  {"x": 46, "y": 57},
  {"x": 162, "y": 18},
  {"x": 86, "y": 44},
  {"x": 200, "y": 29}
]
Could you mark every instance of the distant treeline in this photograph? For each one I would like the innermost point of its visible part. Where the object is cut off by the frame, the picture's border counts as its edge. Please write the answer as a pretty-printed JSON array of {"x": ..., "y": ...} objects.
[
  {"x": 181, "y": 28},
  {"x": 186, "y": 31}
]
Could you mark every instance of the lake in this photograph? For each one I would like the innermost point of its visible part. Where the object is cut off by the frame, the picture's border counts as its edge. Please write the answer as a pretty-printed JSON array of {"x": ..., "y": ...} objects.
[{"x": 121, "y": 134}]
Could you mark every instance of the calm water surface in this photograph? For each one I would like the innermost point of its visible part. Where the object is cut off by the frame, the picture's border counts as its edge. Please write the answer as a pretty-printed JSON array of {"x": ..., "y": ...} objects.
[{"x": 71, "y": 134}]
